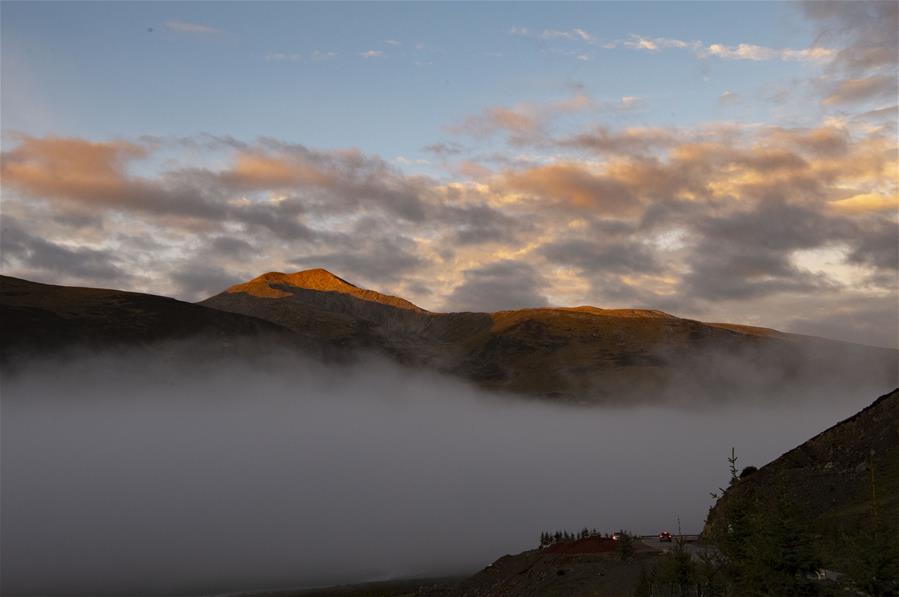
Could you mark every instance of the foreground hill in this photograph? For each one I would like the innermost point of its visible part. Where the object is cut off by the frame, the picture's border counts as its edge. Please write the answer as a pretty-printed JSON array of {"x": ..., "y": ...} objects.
[
  {"x": 837, "y": 479},
  {"x": 39, "y": 319},
  {"x": 582, "y": 353}
]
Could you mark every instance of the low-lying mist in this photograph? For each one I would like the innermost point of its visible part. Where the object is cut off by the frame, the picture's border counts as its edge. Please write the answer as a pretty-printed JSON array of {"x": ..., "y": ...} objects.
[{"x": 128, "y": 474}]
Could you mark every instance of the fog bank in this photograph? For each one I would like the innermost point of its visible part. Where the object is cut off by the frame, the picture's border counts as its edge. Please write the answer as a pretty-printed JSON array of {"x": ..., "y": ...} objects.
[{"x": 127, "y": 475}]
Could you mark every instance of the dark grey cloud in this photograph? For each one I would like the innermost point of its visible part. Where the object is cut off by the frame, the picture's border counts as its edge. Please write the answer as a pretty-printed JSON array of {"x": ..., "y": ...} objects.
[
  {"x": 592, "y": 257},
  {"x": 775, "y": 225},
  {"x": 748, "y": 254},
  {"x": 284, "y": 219},
  {"x": 36, "y": 258},
  {"x": 877, "y": 245},
  {"x": 867, "y": 33},
  {"x": 864, "y": 320},
  {"x": 498, "y": 286},
  {"x": 367, "y": 257},
  {"x": 197, "y": 281},
  {"x": 230, "y": 246},
  {"x": 737, "y": 273},
  {"x": 350, "y": 179},
  {"x": 480, "y": 224}
]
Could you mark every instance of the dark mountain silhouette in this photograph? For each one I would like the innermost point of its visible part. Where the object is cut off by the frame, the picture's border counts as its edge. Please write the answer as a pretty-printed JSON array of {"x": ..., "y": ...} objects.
[{"x": 42, "y": 319}]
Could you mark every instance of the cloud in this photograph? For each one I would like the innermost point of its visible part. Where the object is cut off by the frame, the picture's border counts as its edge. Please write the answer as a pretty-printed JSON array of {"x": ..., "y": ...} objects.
[
  {"x": 199, "y": 281},
  {"x": 598, "y": 257},
  {"x": 878, "y": 247},
  {"x": 373, "y": 260},
  {"x": 867, "y": 37},
  {"x": 858, "y": 90},
  {"x": 573, "y": 34},
  {"x": 761, "y": 53},
  {"x": 866, "y": 202},
  {"x": 638, "y": 42},
  {"x": 501, "y": 285},
  {"x": 401, "y": 159},
  {"x": 95, "y": 174},
  {"x": 371, "y": 54},
  {"x": 574, "y": 186},
  {"x": 748, "y": 253},
  {"x": 860, "y": 319},
  {"x": 443, "y": 149},
  {"x": 728, "y": 97},
  {"x": 867, "y": 34},
  {"x": 524, "y": 123},
  {"x": 186, "y": 27},
  {"x": 56, "y": 263},
  {"x": 633, "y": 140},
  {"x": 280, "y": 57},
  {"x": 742, "y": 51}
]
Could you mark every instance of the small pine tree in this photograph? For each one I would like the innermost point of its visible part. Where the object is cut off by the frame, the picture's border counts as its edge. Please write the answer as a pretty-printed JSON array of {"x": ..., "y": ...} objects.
[
  {"x": 675, "y": 574},
  {"x": 780, "y": 556},
  {"x": 624, "y": 547},
  {"x": 644, "y": 584},
  {"x": 710, "y": 581},
  {"x": 873, "y": 552}
]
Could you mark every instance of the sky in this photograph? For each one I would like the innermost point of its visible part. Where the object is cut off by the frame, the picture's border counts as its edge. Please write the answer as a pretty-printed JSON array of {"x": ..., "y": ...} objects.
[{"x": 723, "y": 161}]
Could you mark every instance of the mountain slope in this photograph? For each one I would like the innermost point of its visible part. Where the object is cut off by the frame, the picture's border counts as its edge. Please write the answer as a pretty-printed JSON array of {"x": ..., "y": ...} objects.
[
  {"x": 829, "y": 477},
  {"x": 39, "y": 319},
  {"x": 582, "y": 353}
]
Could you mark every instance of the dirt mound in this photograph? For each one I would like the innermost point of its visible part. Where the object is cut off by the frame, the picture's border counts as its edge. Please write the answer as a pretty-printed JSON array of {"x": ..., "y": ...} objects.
[{"x": 583, "y": 546}]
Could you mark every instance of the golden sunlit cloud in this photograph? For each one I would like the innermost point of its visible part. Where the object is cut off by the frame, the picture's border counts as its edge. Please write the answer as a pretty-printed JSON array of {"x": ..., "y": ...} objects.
[{"x": 866, "y": 202}]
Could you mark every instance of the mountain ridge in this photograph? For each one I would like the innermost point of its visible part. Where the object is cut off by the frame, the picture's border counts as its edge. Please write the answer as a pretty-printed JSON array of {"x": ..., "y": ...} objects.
[
  {"x": 571, "y": 354},
  {"x": 567, "y": 353},
  {"x": 42, "y": 319},
  {"x": 272, "y": 284}
]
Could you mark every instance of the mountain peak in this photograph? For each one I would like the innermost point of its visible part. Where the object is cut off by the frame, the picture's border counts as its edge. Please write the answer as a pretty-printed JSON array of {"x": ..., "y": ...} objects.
[
  {"x": 279, "y": 285},
  {"x": 310, "y": 279}
]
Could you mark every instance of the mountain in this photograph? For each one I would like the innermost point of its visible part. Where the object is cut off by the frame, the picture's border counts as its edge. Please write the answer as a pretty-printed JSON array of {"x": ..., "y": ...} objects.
[
  {"x": 40, "y": 319},
  {"x": 577, "y": 354},
  {"x": 829, "y": 477}
]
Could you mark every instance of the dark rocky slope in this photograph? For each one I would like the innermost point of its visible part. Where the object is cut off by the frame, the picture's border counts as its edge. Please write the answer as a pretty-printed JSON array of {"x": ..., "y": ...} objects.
[{"x": 44, "y": 319}]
